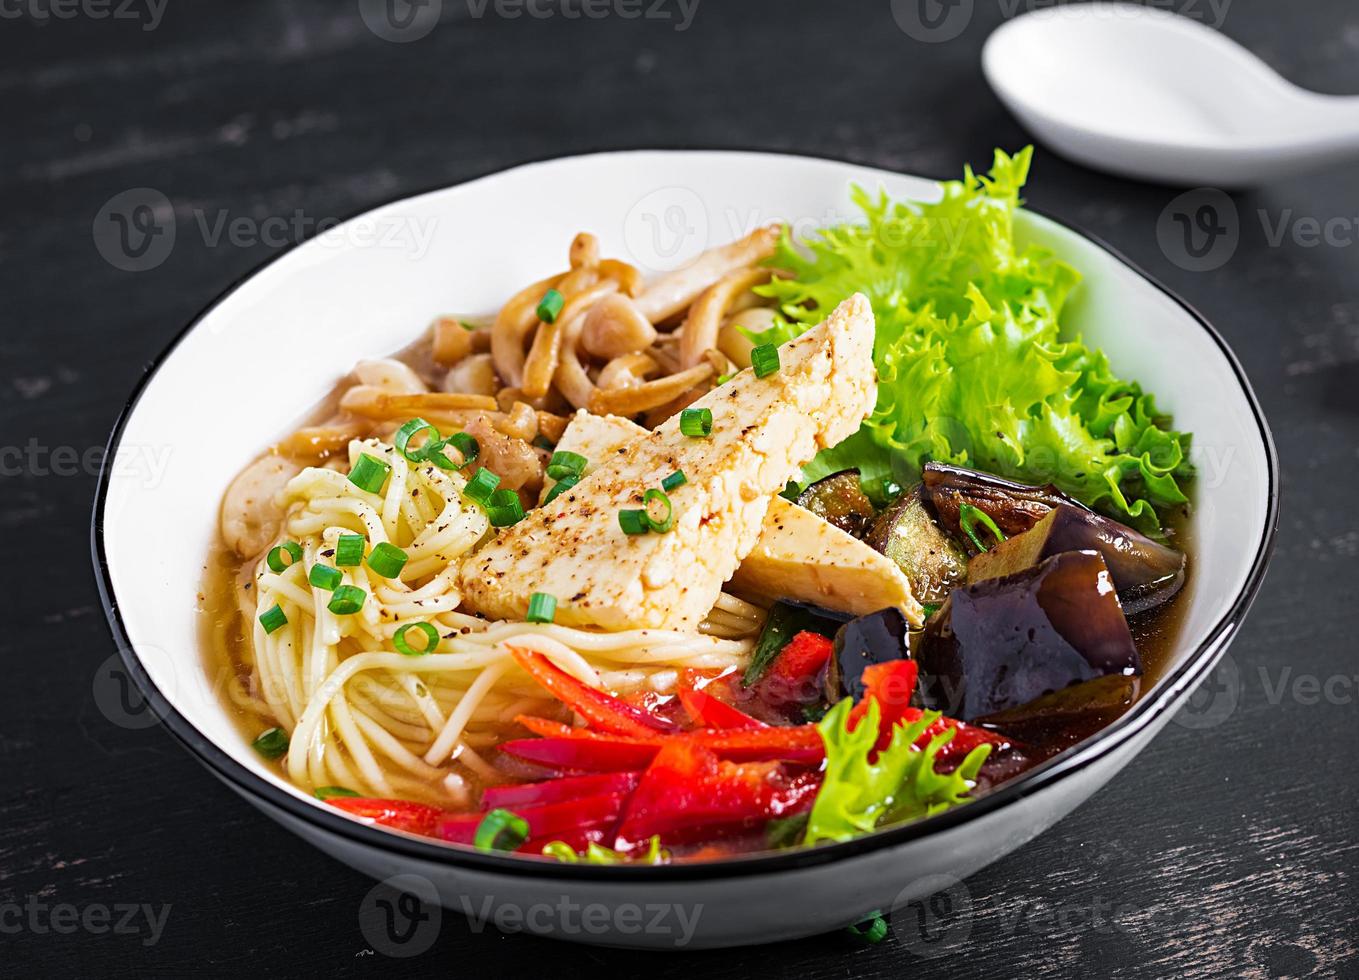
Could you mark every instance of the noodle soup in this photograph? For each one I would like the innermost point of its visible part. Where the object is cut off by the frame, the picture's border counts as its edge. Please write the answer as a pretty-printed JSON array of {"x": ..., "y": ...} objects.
[{"x": 629, "y": 572}]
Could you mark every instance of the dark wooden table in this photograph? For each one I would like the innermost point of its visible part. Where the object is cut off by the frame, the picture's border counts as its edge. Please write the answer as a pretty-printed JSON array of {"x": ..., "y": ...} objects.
[{"x": 1228, "y": 849}]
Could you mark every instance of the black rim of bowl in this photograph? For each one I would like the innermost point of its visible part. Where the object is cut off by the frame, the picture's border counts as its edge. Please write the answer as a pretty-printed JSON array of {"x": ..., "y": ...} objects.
[{"x": 1140, "y": 716}]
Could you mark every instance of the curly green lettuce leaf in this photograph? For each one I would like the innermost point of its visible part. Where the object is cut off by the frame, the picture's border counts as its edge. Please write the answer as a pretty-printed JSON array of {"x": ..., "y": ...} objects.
[
  {"x": 972, "y": 362},
  {"x": 901, "y": 783}
]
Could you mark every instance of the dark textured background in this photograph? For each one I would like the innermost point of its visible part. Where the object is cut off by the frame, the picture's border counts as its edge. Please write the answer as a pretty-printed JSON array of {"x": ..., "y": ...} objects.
[{"x": 1227, "y": 849}]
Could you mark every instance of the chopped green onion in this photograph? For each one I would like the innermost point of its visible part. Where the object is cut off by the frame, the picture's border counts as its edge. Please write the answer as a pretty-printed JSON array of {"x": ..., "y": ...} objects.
[
  {"x": 330, "y": 792},
  {"x": 325, "y": 577},
  {"x": 505, "y": 508},
  {"x": 872, "y": 930},
  {"x": 969, "y": 517},
  {"x": 466, "y": 445},
  {"x": 501, "y": 830},
  {"x": 273, "y": 620},
  {"x": 290, "y": 548},
  {"x": 542, "y": 608},
  {"x": 387, "y": 559},
  {"x": 724, "y": 378},
  {"x": 596, "y": 853},
  {"x": 409, "y": 431},
  {"x": 349, "y": 550},
  {"x": 784, "y": 832},
  {"x": 560, "y": 487},
  {"x": 369, "y": 473},
  {"x": 660, "y": 513},
  {"x": 565, "y": 463},
  {"x": 347, "y": 600},
  {"x": 272, "y": 743},
  {"x": 675, "y": 479},
  {"x": 403, "y": 645},
  {"x": 697, "y": 422},
  {"x": 481, "y": 486},
  {"x": 882, "y": 493},
  {"x": 764, "y": 360},
  {"x": 930, "y": 608},
  {"x": 467, "y": 448},
  {"x": 815, "y": 712},
  {"x": 633, "y": 521},
  {"x": 550, "y": 305},
  {"x": 543, "y": 442},
  {"x": 562, "y": 851},
  {"x": 782, "y": 624}
]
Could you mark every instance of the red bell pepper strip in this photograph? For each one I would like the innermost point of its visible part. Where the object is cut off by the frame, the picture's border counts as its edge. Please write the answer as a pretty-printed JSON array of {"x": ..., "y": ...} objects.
[
  {"x": 688, "y": 790},
  {"x": 966, "y": 738},
  {"x": 457, "y": 828},
  {"x": 601, "y": 753},
  {"x": 892, "y": 684},
  {"x": 600, "y": 710},
  {"x": 556, "y": 819},
  {"x": 414, "y": 818},
  {"x": 544, "y": 726},
  {"x": 596, "y": 752},
  {"x": 710, "y": 712},
  {"x": 792, "y": 677},
  {"x": 558, "y": 790},
  {"x": 793, "y": 743},
  {"x": 548, "y": 821}
]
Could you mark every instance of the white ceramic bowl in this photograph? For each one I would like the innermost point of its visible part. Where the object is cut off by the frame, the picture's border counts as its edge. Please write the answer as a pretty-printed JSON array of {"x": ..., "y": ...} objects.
[{"x": 275, "y": 344}]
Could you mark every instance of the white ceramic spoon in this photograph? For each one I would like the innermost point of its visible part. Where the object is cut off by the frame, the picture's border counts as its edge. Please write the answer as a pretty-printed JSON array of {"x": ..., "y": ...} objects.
[{"x": 1148, "y": 94}]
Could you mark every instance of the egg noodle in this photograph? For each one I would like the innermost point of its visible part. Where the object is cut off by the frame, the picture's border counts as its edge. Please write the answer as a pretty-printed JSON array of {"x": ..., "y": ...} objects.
[{"x": 362, "y": 715}]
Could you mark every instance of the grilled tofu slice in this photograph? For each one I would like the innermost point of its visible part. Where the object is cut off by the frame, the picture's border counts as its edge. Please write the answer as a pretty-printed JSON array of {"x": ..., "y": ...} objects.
[
  {"x": 798, "y": 554},
  {"x": 764, "y": 429},
  {"x": 801, "y": 556},
  {"x": 596, "y": 437}
]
